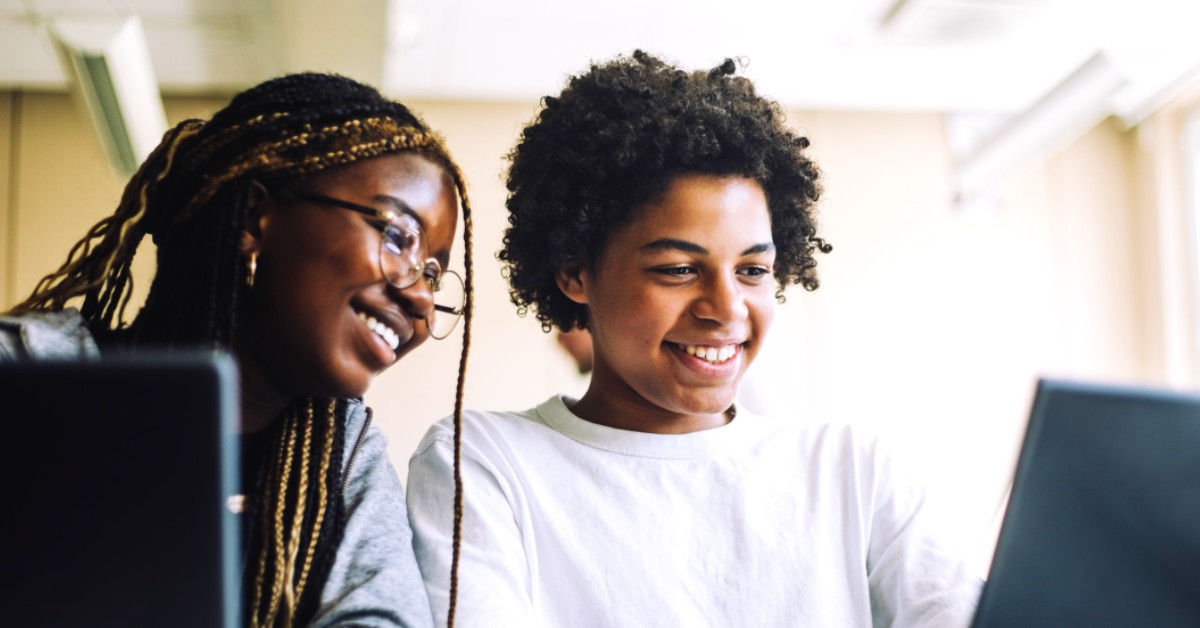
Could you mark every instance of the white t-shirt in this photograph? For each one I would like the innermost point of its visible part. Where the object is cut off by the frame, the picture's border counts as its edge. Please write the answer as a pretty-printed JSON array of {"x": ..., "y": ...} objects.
[{"x": 756, "y": 523}]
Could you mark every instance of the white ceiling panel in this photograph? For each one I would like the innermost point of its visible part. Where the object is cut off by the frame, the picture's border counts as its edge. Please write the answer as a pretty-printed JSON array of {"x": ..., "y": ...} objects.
[
  {"x": 938, "y": 55},
  {"x": 205, "y": 56},
  {"x": 72, "y": 7},
  {"x": 27, "y": 59},
  {"x": 158, "y": 9},
  {"x": 12, "y": 8}
]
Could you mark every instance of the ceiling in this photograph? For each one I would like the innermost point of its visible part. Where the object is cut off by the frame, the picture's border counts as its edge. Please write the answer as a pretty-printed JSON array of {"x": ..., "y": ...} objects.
[{"x": 988, "y": 56}]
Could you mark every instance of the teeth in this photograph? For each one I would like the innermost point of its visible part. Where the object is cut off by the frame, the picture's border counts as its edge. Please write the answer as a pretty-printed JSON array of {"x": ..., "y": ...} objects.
[
  {"x": 714, "y": 355},
  {"x": 383, "y": 331}
]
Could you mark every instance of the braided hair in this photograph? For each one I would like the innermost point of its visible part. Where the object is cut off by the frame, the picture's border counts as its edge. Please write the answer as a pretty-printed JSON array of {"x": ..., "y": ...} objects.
[{"x": 191, "y": 197}]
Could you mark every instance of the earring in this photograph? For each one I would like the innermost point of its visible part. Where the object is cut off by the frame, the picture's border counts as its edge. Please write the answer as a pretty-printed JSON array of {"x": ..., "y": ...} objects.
[{"x": 251, "y": 268}]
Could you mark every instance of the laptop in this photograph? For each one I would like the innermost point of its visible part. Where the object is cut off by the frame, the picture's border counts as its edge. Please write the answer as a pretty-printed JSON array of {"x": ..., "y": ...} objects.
[
  {"x": 1103, "y": 523},
  {"x": 118, "y": 476}
]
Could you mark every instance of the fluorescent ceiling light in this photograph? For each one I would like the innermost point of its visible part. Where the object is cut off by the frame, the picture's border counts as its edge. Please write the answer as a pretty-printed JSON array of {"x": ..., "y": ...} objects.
[
  {"x": 1077, "y": 104},
  {"x": 108, "y": 67}
]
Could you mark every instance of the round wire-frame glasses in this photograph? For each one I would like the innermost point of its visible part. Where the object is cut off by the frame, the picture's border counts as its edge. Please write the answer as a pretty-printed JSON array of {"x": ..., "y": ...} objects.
[{"x": 404, "y": 258}]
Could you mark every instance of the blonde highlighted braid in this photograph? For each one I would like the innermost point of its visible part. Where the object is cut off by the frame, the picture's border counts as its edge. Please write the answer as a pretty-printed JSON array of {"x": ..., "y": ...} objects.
[{"x": 190, "y": 196}]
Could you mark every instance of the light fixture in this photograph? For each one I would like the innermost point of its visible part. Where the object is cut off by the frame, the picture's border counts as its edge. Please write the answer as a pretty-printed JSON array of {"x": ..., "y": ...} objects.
[
  {"x": 1078, "y": 103},
  {"x": 107, "y": 65}
]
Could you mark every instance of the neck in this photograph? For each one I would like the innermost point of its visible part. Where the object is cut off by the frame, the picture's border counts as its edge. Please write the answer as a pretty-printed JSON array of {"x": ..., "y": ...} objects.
[
  {"x": 262, "y": 402},
  {"x": 636, "y": 414}
]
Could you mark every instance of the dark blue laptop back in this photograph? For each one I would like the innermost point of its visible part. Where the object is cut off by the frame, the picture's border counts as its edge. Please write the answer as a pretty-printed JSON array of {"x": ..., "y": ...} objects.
[
  {"x": 1103, "y": 522},
  {"x": 118, "y": 477}
]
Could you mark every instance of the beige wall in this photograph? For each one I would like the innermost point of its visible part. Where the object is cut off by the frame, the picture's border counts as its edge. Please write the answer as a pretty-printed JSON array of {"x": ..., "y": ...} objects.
[
  {"x": 62, "y": 184},
  {"x": 6, "y": 143},
  {"x": 931, "y": 325}
]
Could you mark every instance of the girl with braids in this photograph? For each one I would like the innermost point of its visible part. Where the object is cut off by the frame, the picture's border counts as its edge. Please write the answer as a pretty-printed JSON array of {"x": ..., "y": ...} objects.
[
  {"x": 307, "y": 229},
  {"x": 665, "y": 212}
]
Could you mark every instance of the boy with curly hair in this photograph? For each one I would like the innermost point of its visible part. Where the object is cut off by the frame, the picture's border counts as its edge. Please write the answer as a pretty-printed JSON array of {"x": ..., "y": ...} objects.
[{"x": 666, "y": 212}]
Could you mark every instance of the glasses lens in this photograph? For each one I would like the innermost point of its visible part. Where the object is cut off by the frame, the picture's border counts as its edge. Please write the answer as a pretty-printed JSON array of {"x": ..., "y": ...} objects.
[
  {"x": 402, "y": 254},
  {"x": 449, "y": 299}
]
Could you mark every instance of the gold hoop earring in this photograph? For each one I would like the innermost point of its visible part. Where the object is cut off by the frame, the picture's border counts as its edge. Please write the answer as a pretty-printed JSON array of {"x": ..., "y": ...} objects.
[{"x": 251, "y": 268}]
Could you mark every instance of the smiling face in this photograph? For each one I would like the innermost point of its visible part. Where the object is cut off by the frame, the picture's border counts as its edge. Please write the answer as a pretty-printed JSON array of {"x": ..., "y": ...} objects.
[
  {"x": 322, "y": 320},
  {"x": 679, "y": 302}
]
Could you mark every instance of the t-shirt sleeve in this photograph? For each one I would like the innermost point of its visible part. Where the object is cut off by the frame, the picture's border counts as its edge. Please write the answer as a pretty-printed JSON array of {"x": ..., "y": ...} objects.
[
  {"x": 917, "y": 577},
  {"x": 374, "y": 580},
  {"x": 494, "y": 575}
]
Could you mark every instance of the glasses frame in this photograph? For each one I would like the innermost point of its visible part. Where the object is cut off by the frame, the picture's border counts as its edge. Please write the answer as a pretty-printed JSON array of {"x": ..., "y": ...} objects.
[{"x": 383, "y": 219}]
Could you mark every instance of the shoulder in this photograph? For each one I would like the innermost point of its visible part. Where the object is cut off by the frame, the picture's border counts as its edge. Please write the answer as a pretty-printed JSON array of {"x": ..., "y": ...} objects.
[
  {"x": 374, "y": 579},
  {"x": 496, "y": 446},
  {"x": 813, "y": 440},
  {"x": 364, "y": 452},
  {"x": 491, "y": 430},
  {"x": 852, "y": 460},
  {"x": 53, "y": 335},
  {"x": 869, "y": 466}
]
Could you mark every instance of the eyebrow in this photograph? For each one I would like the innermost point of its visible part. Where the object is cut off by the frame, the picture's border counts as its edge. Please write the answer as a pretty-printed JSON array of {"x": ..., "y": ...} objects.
[
  {"x": 443, "y": 256},
  {"x": 403, "y": 208},
  {"x": 674, "y": 244},
  {"x": 396, "y": 204}
]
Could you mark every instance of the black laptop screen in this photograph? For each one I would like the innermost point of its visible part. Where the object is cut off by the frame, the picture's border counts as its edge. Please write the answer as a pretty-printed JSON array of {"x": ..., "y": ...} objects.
[
  {"x": 118, "y": 515},
  {"x": 1103, "y": 523}
]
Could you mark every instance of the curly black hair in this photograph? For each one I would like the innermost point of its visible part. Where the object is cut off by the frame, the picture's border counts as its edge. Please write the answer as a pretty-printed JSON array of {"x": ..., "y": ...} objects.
[{"x": 615, "y": 139}]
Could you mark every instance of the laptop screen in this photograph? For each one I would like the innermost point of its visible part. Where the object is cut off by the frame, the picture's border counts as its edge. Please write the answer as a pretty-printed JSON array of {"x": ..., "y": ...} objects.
[
  {"x": 119, "y": 497},
  {"x": 1103, "y": 523}
]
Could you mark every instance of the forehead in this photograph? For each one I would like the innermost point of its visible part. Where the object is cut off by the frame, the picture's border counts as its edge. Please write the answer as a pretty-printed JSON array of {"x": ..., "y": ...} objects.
[
  {"x": 421, "y": 180},
  {"x": 703, "y": 209},
  {"x": 410, "y": 178}
]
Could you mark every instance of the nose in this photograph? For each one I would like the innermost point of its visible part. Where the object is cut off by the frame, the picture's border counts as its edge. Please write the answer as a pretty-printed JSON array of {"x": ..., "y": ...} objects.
[
  {"x": 416, "y": 299},
  {"x": 722, "y": 300}
]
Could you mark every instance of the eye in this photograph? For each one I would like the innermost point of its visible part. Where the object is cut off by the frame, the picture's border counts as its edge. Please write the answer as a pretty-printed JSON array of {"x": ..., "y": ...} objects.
[
  {"x": 398, "y": 241},
  {"x": 433, "y": 275},
  {"x": 675, "y": 273},
  {"x": 755, "y": 273}
]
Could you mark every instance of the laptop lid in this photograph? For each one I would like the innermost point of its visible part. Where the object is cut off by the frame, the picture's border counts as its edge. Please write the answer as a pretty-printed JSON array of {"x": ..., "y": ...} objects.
[
  {"x": 1103, "y": 522},
  {"x": 118, "y": 510}
]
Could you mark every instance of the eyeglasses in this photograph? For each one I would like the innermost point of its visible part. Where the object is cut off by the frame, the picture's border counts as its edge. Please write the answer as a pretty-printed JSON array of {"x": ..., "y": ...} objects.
[{"x": 404, "y": 258}]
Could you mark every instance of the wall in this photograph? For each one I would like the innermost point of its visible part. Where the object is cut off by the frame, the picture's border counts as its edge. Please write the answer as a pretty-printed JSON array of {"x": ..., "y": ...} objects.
[
  {"x": 931, "y": 325},
  {"x": 62, "y": 184},
  {"x": 6, "y": 191}
]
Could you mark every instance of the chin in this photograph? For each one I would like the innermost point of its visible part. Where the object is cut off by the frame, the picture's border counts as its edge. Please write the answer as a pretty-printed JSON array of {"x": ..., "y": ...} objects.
[
  {"x": 708, "y": 405},
  {"x": 341, "y": 388},
  {"x": 357, "y": 390}
]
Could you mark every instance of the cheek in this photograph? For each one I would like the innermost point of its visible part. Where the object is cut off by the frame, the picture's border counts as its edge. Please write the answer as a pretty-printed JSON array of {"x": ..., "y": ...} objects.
[
  {"x": 333, "y": 275},
  {"x": 419, "y": 338},
  {"x": 762, "y": 312}
]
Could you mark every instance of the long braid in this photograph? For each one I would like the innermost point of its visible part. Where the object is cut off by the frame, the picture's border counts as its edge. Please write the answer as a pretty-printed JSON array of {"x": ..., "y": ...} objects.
[
  {"x": 109, "y": 246},
  {"x": 468, "y": 319},
  {"x": 266, "y": 496},
  {"x": 322, "y": 497},
  {"x": 285, "y": 602},
  {"x": 191, "y": 196},
  {"x": 293, "y": 544},
  {"x": 274, "y": 518},
  {"x": 324, "y": 539}
]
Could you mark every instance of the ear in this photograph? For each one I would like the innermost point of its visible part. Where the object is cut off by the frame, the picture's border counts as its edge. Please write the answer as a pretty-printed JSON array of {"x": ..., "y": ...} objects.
[
  {"x": 573, "y": 279},
  {"x": 256, "y": 200}
]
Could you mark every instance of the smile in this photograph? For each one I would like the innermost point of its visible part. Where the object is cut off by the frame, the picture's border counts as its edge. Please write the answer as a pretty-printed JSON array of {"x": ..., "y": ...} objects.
[
  {"x": 387, "y": 334},
  {"x": 712, "y": 355}
]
